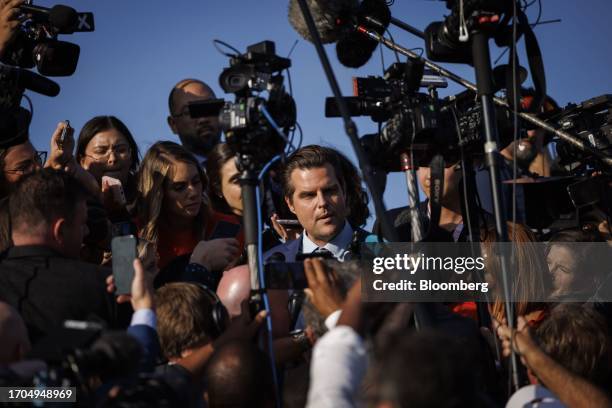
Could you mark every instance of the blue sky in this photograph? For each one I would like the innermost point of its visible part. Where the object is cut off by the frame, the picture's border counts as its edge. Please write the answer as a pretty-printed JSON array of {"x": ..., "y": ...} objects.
[{"x": 141, "y": 48}]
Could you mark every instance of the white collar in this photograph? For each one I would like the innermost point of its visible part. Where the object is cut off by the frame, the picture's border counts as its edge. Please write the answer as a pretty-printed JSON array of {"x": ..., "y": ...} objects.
[{"x": 338, "y": 246}]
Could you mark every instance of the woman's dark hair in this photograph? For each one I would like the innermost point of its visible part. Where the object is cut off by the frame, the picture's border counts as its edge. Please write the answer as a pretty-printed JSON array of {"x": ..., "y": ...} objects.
[
  {"x": 216, "y": 159},
  {"x": 102, "y": 124}
]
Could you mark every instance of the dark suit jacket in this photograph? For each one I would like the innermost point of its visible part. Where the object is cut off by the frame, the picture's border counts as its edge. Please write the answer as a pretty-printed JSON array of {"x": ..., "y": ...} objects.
[
  {"x": 47, "y": 288},
  {"x": 291, "y": 249},
  {"x": 149, "y": 342},
  {"x": 400, "y": 220}
]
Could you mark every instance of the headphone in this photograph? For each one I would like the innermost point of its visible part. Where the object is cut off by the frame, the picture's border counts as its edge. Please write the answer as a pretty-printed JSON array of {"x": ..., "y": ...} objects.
[{"x": 219, "y": 314}]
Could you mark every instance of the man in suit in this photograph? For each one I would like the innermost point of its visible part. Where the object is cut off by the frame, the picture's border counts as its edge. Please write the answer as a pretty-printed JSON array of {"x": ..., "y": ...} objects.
[
  {"x": 40, "y": 275},
  {"x": 323, "y": 189}
]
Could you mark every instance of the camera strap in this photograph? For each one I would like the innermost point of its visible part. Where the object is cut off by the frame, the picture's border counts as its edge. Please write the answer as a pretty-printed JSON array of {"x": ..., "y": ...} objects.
[
  {"x": 436, "y": 187},
  {"x": 536, "y": 63}
]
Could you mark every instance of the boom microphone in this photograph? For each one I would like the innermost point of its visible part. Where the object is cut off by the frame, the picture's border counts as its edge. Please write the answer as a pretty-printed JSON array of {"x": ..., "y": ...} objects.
[
  {"x": 326, "y": 14},
  {"x": 338, "y": 21},
  {"x": 355, "y": 49}
]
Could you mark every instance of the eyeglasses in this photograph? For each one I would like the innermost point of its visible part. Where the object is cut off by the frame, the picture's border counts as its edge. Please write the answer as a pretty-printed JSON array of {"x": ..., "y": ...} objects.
[
  {"x": 30, "y": 166},
  {"x": 122, "y": 151}
]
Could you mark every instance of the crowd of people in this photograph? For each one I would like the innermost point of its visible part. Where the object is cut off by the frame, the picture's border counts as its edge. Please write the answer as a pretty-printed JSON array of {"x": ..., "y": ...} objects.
[{"x": 188, "y": 334}]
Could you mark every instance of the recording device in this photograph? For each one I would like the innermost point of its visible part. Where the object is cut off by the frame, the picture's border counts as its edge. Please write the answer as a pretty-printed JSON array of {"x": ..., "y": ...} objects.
[
  {"x": 291, "y": 275},
  {"x": 290, "y": 223},
  {"x": 448, "y": 40},
  {"x": 224, "y": 229},
  {"x": 414, "y": 120},
  {"x": 15, "y": 120},
  {"x": 36, "y": 43},
  {"x": 591, "y": 121},
  {"x": 245, "y": 121},
  {"x": 124, "y": 252},
  {"x": 62, "y": 138},
  {"x": 83, "y": 356},
  {"x": 337, "y": 21},
  {"x": 285, "y": 275}
]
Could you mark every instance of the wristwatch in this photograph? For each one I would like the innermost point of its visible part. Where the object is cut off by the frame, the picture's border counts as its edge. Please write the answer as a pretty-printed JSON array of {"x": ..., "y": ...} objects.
[{"x": 300, "y": 338}]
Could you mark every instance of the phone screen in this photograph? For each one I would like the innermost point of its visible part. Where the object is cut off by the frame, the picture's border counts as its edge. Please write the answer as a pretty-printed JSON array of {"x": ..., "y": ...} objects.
[
  {"x": 124, "y": 253},
  {"x": 225, "y": 229},
  {"x": 285, "y": 275}
]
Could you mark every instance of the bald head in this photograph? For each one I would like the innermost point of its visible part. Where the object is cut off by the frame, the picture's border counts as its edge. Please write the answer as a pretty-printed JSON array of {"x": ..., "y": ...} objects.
[
  {"x": 188, "y": 86},
  {"x": 239, "y": 375},
  {"x": 234, "y": 287},
  {"x": 198, "y": 135},
  {"x": 14, "y": 342}
]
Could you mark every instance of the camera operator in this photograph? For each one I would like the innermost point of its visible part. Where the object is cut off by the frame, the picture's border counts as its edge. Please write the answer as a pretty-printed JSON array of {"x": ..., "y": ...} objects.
[
  {"x": 197, "y": 135},
  {"x": 532, "y": 160},
  {"x": 9, "y": 21},
  {"x": 323, "y": 189},
  {"x": 451, "y": 223},
  {"x": 40, "y": 275}
]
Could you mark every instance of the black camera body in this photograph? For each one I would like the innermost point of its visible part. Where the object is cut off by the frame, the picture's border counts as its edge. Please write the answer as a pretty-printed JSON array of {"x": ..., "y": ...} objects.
[
  {"x": 416, "y": 121},
  {"x": 591, "y": 121},
  {"x": 442, "y": 42},
  {"x": 36, "y": 43},
  {"x": 246, "y": 121}
]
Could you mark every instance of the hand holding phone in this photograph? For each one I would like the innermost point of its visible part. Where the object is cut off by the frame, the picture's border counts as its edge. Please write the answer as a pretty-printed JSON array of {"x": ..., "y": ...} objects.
[
  {"x": 124, "y": 253},
  {"x": 113, "y": 192},
  {"x": 62, "y": 138},
  {"x": 286, "y": 229}
]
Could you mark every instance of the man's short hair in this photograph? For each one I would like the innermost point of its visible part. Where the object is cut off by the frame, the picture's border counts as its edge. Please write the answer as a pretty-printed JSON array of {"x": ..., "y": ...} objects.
[
  {"x": 315, "y": 156},
  {"x": 577, "y": 337},
  {"x": 184, "y": 315},
  {"x": 180, "y": 85},
  {"x": 239, "y": 375},
  {"x": 310, "y": 157},
  {"x": 348, "y": 272},
  {"x": 44, "y": 196},
  {"x": 427, "y": 369}
]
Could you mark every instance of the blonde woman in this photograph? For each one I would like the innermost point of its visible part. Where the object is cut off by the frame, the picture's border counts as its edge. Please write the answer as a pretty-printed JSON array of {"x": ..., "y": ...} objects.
[
  {"x": 172, "y": 212},
  {"x": 530, "y": 282}
]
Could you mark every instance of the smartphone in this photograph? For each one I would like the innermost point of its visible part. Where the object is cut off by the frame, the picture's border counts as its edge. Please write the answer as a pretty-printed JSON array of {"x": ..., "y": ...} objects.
[
  {"x": 62, "y": 138},
  {"x": 285, "y": 275},
  {"x": 290, "y": 223},
  {"x": 124, "y": 252},
  {"x": 114, "y": 185},
  {"x": 225, "y": 229}
]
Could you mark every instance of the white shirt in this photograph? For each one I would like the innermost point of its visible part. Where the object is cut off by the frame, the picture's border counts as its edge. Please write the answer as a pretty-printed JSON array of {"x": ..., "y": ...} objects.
[
  {"x": 146, "y": 317},
  {"x": 338, "y": 246},
  {"x": 339, "y": 363}
]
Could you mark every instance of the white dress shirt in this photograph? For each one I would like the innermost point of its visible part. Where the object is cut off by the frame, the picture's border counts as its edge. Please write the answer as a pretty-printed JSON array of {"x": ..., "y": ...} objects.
[{"x": 338, "y": 246}]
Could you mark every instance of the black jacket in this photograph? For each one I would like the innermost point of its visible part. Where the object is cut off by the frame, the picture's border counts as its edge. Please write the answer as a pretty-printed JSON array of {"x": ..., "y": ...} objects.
[{"x": 47, "y": 288}]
